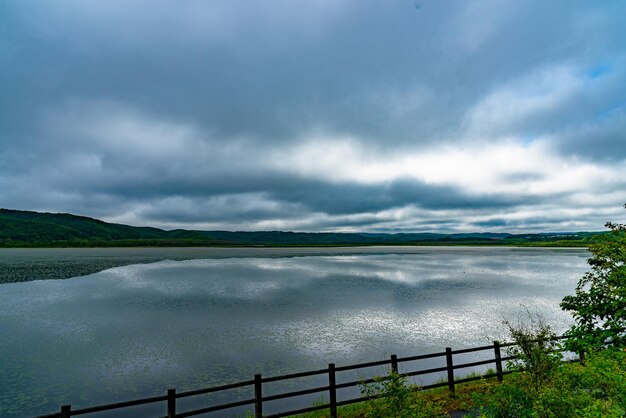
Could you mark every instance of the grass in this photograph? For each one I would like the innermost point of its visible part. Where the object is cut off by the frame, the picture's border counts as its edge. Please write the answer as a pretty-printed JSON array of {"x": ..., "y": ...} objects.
[
  {"x": 436, "y": 400},
  {"x": 596, "y": 389}
]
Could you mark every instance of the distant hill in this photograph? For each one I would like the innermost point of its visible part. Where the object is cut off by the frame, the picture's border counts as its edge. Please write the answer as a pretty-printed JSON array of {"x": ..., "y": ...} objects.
[
  {"x": 36, "y": 229},
  {"x": 25, "y": 228}
]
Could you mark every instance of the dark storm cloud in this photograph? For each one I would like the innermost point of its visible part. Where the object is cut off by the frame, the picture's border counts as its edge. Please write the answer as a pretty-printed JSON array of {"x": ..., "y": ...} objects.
[
  {"x": 544, "y": 222},
  {"x": 193, "y": 113},
  {"x": 374, "y": 69},
  {"x": 355, "y": 198},
  {"x": 602, "y": 138}
]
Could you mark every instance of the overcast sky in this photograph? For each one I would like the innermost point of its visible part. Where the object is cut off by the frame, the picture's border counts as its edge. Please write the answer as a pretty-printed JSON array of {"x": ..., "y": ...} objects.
[{"x": 355, "y": 115}]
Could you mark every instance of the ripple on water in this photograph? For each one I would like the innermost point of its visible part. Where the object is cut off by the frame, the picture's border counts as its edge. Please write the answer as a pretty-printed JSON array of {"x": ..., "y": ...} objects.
[{"x": 135, "y": 330}]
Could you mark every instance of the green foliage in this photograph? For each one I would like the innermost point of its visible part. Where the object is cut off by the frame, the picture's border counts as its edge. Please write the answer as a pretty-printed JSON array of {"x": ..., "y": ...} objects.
[
  {"x": 599, "y": 302},
  {"x": 537, "y": 351},
  {"x": 595, "y": 390},
  {"x": 398, "y": 399},
  {"x": 35, "y": 229}
]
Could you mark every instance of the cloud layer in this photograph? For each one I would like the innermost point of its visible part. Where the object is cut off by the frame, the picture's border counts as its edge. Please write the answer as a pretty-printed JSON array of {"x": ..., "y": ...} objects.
[{"x": 316, "y": 116}]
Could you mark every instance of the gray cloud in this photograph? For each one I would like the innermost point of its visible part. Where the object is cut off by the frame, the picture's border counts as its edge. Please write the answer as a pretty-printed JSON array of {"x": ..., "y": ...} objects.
[{"x": 149, "y": 112}]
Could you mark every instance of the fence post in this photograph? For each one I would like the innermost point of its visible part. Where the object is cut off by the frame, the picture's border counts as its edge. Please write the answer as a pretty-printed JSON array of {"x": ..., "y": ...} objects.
[
  {"x": 258, "y": 396},
  {"x": 171, "y": 403},
  {"x": 66, "y": 411},
  {"x": 394, "y": 363},
  {"x": 332, "y": 389},
  {"x": 496, "y": 349},
  {"x": 449, "y": 365}
]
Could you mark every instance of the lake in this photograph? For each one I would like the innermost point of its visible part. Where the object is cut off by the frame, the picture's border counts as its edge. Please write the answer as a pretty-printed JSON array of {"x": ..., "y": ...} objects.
[{"x": 113, "y": 324}]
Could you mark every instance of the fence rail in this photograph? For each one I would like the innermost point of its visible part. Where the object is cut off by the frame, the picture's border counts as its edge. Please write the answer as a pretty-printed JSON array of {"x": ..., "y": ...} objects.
[{"x": 331, "y": 388}]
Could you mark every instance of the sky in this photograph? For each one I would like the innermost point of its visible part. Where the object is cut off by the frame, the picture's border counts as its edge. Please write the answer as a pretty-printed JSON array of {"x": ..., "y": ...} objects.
[{"x": 328, "y": 115}]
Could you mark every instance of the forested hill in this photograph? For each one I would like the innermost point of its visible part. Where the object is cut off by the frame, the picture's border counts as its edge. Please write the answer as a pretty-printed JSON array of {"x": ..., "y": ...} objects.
[
  {"x": 35, "y": 229},
  {"x": 25, "y": 228}
]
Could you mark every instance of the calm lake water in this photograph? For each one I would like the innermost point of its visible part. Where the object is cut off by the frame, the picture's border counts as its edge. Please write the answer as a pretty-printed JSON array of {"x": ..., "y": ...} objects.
[{"x": 201, "y": 317}]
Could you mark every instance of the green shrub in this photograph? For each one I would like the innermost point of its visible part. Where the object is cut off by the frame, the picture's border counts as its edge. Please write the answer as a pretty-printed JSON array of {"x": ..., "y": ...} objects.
[
  {"x": 537, "y": 351},
  {"x": 398, "y": 399},
  {"x": 599, "y": 302},
  {"x": 597, "y": 389}
]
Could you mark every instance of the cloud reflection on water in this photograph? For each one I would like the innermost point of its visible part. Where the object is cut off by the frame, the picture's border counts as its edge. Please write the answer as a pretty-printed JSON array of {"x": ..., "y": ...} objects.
[{"x": 139, "y": 328}]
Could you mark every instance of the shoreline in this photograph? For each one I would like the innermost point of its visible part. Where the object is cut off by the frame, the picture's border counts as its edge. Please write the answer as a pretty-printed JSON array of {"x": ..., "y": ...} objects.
[{"x": 364, "y": 245}]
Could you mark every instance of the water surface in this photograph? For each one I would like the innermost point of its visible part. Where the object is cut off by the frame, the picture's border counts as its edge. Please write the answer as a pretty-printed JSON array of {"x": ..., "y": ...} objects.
[{"x": 223, "y": 316}]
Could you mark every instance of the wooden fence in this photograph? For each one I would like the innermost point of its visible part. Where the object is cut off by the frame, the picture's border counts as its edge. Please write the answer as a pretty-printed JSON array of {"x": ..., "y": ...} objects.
[{"x": 256, "y": 384}]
